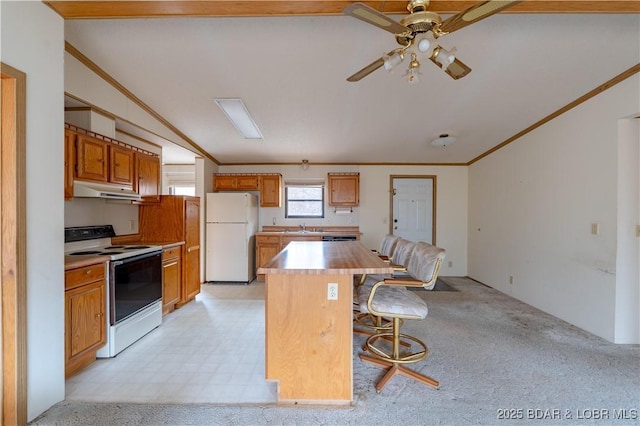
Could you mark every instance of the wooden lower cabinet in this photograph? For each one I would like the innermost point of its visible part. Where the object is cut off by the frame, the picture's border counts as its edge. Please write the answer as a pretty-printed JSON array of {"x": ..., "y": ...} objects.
[
  {"x": 171, "y": 278},
  {"x": 176, "y": 218},
  {"x": 85, "y": 316},
  {"x": 266, "y": 249},
  {"x": 267, "y": 246}
]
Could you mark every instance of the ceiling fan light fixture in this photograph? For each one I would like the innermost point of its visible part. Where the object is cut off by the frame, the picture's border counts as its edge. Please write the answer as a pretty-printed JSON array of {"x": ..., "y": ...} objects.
[
  {"x": 443, "y": 57},
  {"x": 443, "y": 140},
  {"x": 413, "y": 72},
  {"x": 390, "y": 62},
  {"x": 425, "y": 44}
]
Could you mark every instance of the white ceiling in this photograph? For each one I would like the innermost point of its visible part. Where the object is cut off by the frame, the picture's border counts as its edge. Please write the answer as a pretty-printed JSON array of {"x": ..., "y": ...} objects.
[{"x": 291, "y": 73}]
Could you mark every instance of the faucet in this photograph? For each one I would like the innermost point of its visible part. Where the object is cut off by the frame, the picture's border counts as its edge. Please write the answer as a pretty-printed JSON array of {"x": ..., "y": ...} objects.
[{"x": 303, "y": 227}]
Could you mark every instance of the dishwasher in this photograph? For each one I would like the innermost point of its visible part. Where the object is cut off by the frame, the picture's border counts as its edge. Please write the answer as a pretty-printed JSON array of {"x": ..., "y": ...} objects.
[{"x": 339, "y": 238}]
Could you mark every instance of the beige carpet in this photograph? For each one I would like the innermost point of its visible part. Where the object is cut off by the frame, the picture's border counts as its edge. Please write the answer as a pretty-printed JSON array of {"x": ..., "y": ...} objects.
[{"x": 498, "y": 361}]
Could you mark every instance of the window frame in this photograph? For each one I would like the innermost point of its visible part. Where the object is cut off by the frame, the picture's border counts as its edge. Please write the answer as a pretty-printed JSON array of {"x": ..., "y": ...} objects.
[{"x": 287, "y": 201}]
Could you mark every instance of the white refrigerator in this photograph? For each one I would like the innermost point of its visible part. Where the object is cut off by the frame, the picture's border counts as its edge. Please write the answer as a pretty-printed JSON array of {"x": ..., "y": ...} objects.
[{"x": 231, "y": 226}]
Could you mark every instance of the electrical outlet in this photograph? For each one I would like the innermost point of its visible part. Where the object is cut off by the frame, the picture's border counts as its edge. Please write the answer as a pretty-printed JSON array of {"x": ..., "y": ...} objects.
[
  {"x": 451, "y": 264},
  {"x": 595, "y": 228},
  {"x": 332, "y": 291},
  {"x": 510, "y": 279}
]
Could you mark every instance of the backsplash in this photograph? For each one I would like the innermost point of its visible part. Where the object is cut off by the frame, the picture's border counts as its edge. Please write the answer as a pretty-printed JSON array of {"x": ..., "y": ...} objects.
[{"x": 94, "y": 211}]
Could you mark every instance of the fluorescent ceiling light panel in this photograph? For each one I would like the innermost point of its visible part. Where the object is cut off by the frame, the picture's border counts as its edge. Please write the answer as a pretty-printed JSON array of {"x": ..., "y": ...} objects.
[{"x": 237, "y": 113}]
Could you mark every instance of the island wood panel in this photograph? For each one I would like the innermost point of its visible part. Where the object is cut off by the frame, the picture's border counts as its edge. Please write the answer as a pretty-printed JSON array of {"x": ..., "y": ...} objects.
[{"x": 309, "y": 338}]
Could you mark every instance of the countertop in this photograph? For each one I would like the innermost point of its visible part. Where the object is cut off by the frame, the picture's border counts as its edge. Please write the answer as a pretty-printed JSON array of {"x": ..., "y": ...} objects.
[
  {"x": 310, "y": 230},
  {"x": 316, "y": 257}
]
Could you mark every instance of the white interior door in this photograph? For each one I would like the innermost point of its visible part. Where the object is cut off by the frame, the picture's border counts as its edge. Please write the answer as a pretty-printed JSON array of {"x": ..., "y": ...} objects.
[{"x": 413, "y": 215}]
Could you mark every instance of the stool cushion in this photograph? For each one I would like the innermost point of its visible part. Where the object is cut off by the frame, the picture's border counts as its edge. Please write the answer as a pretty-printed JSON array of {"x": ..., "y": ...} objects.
[{"x": 393, "y": 300}]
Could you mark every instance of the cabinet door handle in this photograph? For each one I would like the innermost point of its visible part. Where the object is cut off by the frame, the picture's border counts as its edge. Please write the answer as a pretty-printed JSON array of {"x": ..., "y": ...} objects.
[
  {"x": 170, "y": 264},
  {"x": 190, "y": 249}
]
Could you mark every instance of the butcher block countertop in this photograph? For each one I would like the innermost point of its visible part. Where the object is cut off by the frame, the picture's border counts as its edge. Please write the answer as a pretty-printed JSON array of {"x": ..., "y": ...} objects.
[{"x": 315, "y": 257}]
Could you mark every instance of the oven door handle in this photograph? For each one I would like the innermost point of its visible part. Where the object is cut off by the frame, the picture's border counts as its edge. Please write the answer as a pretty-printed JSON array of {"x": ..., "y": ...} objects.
[{"x": 135, "y": 258}]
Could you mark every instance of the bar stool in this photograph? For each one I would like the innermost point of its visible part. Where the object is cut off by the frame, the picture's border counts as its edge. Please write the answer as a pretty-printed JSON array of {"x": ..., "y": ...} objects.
[{"x": 389, "y": 298}]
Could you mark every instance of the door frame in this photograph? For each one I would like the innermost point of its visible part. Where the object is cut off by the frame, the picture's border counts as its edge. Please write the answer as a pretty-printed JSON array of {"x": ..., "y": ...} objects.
[
  {"x": 13, "y": 237},
  {"x": 433, "y": 201}
]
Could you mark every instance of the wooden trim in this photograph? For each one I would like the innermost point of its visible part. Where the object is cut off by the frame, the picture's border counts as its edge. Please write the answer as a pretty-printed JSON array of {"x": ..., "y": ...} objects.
[
  {"x": 138, "y": 138},
  {"x": 127, "y": 93},
  {"x": 115, "y": 117},
  {"x": 343, "y": 164},
  {"x": 13, "y": 239},
  {"x": 107, "y": 139},
  {"x": 148, "y": 9},
  {"x": 434, "y": 201},
  {"x": 607, "y": 85}
]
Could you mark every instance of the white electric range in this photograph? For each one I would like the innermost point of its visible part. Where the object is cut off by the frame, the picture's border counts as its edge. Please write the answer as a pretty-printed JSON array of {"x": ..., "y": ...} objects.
[{"x": 134, "y": 284}]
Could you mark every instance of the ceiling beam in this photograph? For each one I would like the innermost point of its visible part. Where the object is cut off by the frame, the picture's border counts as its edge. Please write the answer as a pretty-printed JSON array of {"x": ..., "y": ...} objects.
[{"x": 95, "y": 9}]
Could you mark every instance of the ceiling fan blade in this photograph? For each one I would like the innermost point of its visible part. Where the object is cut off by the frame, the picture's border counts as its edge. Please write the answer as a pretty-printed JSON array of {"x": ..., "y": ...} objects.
[
  {"x": 456, "y": 70},
  {"x": 366, "y": 70},
  {"x": 370, "y": 15},
  {"x": 474, "y": 13}
]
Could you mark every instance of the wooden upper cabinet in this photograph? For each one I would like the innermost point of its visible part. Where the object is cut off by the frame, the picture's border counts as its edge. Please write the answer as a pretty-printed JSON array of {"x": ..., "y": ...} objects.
[
  {"x": 224, "y": 183},
  {"x": 344, "y": 189},
  {"x": 270, "y": 190},
  {"x": 270, "y": 186},
  {"x": 92, "y": 159},
  {"x": 69, "y": 162},
  {"x": 147, "y": 181},
  {"x": 121, "y": 164},
  {"x": 236, "y": 182},
  {"x": 248, "y": 183}
]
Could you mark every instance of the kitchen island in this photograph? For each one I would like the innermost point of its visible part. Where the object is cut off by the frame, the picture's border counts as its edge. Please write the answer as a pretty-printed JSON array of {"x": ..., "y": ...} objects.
[{"x": 309, "y": 320}]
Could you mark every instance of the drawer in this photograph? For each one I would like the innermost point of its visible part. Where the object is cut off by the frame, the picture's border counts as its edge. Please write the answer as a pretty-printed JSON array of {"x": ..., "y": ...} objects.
[
  {"x": 77, "y": 277},
  {"x": 262, "y": 239},
  {"x": 171, "y": 253}
]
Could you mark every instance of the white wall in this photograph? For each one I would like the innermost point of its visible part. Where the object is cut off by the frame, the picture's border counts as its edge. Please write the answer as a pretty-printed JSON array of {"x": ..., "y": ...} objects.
[
  {"x": 372, "y": 215},
  {"x": 84, "y": 84},
  {"x": 97, "y": 211},
  {"x": 33, "y": 42},
  {"x": 627, "y": 319},
  {"x": 532, "y": 205}
]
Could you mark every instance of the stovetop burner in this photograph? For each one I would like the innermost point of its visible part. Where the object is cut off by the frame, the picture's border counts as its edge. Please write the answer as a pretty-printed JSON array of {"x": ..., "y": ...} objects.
[{"x": 96, "y": 240}]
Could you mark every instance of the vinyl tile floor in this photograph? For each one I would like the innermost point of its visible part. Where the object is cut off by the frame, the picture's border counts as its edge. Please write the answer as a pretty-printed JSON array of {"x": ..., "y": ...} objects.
[{"x": 209, "y": 351}]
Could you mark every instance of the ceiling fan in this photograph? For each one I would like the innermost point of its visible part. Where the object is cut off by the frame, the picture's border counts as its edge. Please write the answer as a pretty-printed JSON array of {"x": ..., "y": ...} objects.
[{"x": 417, "y": 32}]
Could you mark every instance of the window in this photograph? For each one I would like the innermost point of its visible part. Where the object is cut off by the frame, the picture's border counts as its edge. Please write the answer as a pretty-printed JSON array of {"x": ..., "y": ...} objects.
[
  {"x": 304, "y": 201},
  {"x": 182, "y": 190}
]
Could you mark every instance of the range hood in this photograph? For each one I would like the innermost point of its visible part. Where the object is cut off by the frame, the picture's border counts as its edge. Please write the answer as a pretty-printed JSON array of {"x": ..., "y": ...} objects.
[{"x": 84, "y": 189}]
